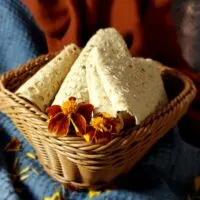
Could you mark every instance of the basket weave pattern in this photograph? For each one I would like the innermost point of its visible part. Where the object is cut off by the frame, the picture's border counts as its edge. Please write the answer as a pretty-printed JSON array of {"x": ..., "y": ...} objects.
[{"x": 71, "y": 159}]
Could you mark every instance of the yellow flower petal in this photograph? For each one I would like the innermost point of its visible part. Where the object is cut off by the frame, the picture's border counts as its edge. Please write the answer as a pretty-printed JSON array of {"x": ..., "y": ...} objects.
[
  {"x": 87, "y": 137},
  {"x": 99, "y": 123},
  {"x": 69, "y": 106},
  {"x": 23, "y": 171},
  {"x": 24, "y": 177},
  {"x": 93, "y": 193},
  {"x": 55, "y": 196},
  {"x": 90, "y": 134},
  {"x": 31, "y": 155}
]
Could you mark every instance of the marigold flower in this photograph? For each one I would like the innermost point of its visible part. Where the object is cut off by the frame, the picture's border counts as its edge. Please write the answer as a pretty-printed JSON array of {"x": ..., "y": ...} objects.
[
  {"x": 70, "y": 113},
  {"x": 102, "y": 127}
]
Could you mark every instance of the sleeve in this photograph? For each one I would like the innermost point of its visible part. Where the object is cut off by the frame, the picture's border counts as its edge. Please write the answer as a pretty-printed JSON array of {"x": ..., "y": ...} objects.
[
  {"x": 56, "y": 18},
  {"x": 51, "y": 15}
]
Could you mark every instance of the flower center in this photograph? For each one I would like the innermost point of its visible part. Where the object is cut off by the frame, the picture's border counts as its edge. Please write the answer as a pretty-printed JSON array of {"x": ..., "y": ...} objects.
[
  {"x": 99, "y": 123},
  {"x": 69, "y": 107}
]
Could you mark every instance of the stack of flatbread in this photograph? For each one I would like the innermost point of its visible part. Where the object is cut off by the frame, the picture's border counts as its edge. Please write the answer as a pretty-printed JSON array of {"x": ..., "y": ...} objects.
[{"x": 104, "y": 73}]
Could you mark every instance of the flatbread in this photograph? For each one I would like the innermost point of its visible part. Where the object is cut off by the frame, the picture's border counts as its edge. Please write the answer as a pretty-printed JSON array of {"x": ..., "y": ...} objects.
[
  {"x": 97, "y": 95},
  {"x": 75, "y": 83},
  {"x": 42, "y": 87},
  {"x": 133, "y": 85}
]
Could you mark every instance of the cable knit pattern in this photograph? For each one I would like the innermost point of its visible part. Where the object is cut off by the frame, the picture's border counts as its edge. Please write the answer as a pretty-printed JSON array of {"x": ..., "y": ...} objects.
[{"x": 164, "y": 174}]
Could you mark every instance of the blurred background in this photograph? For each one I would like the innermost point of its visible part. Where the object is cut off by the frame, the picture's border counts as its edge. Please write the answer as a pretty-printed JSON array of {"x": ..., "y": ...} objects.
[{"x": 186, "y": 13}]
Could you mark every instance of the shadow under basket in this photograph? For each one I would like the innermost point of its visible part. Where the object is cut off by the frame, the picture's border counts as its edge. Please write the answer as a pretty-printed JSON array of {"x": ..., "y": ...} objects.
[{"x": 71, "y": 160}]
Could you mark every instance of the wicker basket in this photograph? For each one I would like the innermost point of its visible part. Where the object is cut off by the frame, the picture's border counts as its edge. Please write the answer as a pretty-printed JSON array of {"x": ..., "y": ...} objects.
[{"x": 70, "y": 160}]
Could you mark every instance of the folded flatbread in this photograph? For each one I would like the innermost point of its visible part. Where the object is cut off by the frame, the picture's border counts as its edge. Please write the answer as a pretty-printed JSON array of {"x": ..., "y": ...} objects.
[
  {"x": 97, "y": 94},
  {"x": 132, "y": 85},
  {"x": 75, "y": 83},
  {"x": 41, "y": 88}
]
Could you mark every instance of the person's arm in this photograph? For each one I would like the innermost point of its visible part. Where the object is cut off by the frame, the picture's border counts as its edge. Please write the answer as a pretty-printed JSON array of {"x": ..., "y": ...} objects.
[{"x": 55, "y": 18}]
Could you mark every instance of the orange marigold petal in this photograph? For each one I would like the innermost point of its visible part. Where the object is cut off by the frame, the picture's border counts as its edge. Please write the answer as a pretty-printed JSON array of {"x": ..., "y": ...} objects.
[
  {"x": 79, "y": 124},
  {"x": 89, "y": 134},
  {"x": 85, "y": 110},
  {"x": 117, "y": 125},
  {"x": 53, "y": 110},
  {"x": 13, "y": 145},
  {"x": 111, "y": 124},
  {"x": 102, "y": 137},
  {"x": 59, "y": 125}
]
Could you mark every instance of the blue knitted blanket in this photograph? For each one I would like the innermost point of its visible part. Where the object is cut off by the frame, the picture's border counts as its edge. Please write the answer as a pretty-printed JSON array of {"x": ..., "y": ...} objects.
[{"x": 166, "y": 173}]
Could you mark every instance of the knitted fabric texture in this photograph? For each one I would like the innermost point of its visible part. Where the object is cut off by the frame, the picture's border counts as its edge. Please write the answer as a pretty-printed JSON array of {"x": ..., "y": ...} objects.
[{"x": 165, "y": 173}]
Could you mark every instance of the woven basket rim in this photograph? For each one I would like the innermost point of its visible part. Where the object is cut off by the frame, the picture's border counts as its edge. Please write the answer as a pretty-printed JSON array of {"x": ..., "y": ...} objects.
[{"x": 188, "y": 88}]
